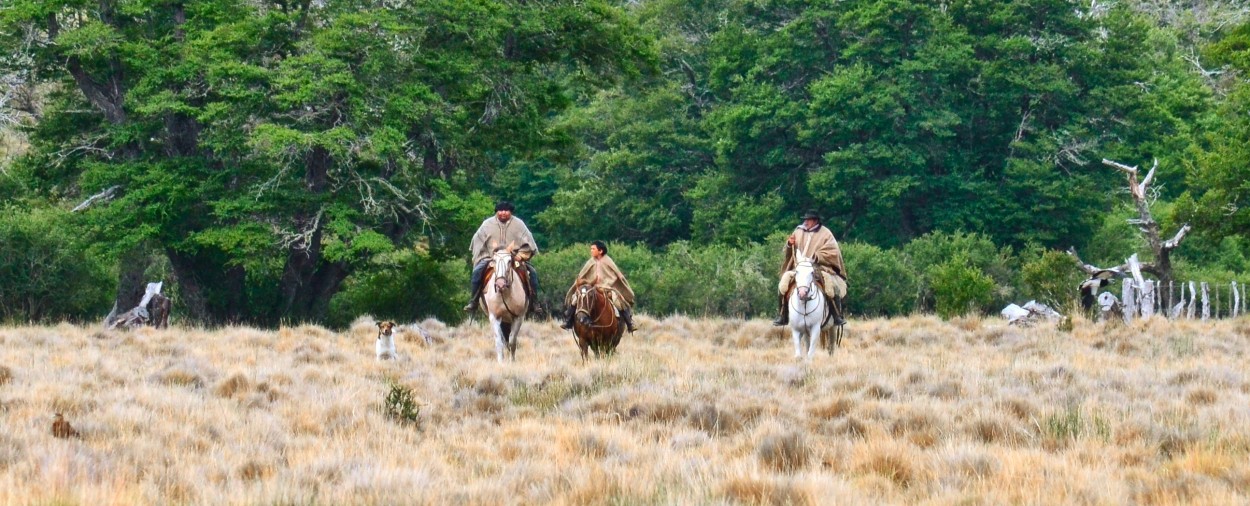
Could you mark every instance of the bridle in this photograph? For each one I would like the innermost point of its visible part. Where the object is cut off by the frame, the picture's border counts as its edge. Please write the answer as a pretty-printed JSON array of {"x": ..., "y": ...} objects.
[
  {"x": 812, "y": 291},
  {"x": 586, "y": 295},
  {"x": 503, "y": 267}
]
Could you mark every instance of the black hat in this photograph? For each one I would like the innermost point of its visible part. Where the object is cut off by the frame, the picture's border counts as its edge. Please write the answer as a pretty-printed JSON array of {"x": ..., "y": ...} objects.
[
  {"x": 504, "y": 205},
  {"x": 811, "y": 214}
]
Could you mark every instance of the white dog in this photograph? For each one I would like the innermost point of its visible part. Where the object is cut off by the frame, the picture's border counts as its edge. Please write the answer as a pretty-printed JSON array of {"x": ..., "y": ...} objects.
[{"x": 385, "y": 346}]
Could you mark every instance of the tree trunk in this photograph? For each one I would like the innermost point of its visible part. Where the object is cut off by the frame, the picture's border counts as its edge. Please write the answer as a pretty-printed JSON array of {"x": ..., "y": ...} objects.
[
  {"x": 190, "y": 289},
  {"x": 130, "y": 280}
]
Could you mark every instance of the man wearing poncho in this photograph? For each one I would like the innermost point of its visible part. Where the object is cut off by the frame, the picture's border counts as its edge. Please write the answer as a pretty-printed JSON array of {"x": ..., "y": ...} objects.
[
  {"x": 815, "y": 241},
  {"x": 600, "y": 271},
  {"x": 500, "y": 231}
]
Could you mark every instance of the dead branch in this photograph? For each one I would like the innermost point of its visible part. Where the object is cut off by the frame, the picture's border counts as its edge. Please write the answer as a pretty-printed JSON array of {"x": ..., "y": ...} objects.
[
  {"x": 1093, "y": 269},
  {"x": 105, "y": 195}
]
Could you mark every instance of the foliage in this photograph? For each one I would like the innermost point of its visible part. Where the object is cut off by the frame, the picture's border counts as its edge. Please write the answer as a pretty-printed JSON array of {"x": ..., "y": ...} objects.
[
  {"x": 315, "y": 160},
  {"x": 681, "y": 279},
  {"x": 272, "y": 149},
  {"x": 882, "y": 281},
  {"x": 1050, "y": 277},
  {"x": 976, "y": 250},
  {"x": 960, "y": 288},
  {"x": 400, "y": 405},
  {"x": 405, "y": 285},
  {"x": 47, "y": 272}
]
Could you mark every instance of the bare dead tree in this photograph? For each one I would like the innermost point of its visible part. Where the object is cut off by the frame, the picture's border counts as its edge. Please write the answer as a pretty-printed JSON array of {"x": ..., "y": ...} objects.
[{"x": 1161, "y": 265}]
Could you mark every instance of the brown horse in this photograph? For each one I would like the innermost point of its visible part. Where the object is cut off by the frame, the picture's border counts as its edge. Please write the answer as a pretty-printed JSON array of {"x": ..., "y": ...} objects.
[{"x": 595, "y": 323}]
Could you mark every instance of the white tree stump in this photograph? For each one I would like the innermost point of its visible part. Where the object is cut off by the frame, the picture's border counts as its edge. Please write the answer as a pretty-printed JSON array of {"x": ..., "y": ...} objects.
[
  {"x": 1129, "y": 300},
  {"x": 1193, "y": 300},
  {"x": 1147, "y": 299},
  {"x": 1236, "y": 296},
  {"x": 1206, "y": 302}
]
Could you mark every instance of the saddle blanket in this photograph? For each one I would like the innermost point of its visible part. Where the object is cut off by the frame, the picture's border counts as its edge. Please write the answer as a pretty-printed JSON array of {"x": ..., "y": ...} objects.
[{"x": 833, "y": 285}]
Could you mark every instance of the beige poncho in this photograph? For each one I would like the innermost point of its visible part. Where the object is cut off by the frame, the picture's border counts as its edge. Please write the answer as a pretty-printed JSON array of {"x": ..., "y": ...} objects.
[
  {"x": 819, "y": 245},
  {"x": 603, "y": 273},
  {"x": 497, "y": 234}
]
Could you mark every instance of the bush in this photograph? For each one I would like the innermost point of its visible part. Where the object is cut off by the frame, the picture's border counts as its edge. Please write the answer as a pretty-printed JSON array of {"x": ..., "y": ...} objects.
[
  {"x": 960, "y": 288},
  {"x": 977, "y": 251},
  {"x": 47, "y": 271},
  {"x": 404, "y": 285},
  {"x": 1050, "y": 277},
  {"x": 401, "y": 406},
  {"x": 882, "y": 282},
  {"x": 685, "y": 279}
]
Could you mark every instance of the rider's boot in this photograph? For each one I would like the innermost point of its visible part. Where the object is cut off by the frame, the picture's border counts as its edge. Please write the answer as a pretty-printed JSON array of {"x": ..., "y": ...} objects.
[
  {"x": 783, "y": 317},
  {"x": 476, "y": 281},
  {"x": 535, "y": 307},
  {"x": 839, "y": 310},
  {"x": 567, "y": 324},
  {"x": 628, "y": 315},
  {"x": 473, "y": 299}
]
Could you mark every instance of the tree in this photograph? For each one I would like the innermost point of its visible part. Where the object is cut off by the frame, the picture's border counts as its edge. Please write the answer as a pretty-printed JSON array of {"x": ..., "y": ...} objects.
[{"x": 269, "y": 149}]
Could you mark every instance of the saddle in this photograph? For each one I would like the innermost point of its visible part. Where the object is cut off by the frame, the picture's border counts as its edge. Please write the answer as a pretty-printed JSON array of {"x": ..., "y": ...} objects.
[
  {"x": 609, "y": 294},
  {"x": 829, "y": 302}
]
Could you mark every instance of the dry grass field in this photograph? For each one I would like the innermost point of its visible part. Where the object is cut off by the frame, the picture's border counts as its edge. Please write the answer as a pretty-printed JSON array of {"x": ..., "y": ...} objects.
[{"x": 691, "y": 411}]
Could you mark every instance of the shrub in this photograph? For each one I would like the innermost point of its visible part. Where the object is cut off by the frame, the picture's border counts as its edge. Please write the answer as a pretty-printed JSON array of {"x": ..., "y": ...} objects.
[
  {"x": 682, "y": 278},
  {"x": 978, "y": 252},
  {"x": 404, "y": 285},
  {"x": 882, "y": 282},
  {"x": 47, "y": 271},
  {"x": 1050, "y": 277},
  {"x": 960, "y": 288},
  {"x": 400, "y": 405}
]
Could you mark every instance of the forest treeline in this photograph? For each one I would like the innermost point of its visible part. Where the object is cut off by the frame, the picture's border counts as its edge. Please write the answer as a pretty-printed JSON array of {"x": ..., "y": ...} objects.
[{"x": 281, "y": 161}]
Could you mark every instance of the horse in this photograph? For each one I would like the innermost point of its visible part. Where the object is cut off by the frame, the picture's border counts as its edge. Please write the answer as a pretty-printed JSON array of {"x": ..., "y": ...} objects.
[
  {"x": 810, "y": 312},
  {"x": 595, "y": 323},
  {"x": 506, "y": 301}
]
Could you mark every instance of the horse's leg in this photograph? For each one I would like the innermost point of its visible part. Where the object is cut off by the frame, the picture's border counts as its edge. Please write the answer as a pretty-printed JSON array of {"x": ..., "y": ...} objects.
[
  {"x": 512, "y": 338},
  {"x": 501, "y": 330},
  {"x": 813, "y": 337},
  {"x": 797, "y": 332}
]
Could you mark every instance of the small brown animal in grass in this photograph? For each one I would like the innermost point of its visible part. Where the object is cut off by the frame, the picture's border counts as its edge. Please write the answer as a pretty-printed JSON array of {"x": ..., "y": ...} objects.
[{"x": 62, "y": 428}]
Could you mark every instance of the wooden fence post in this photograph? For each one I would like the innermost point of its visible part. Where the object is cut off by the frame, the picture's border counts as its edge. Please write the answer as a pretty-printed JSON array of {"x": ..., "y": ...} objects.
[
  {"x": 1193, "y": 301},
  {"x": 1147, "y": 300},
  {"x": 1129, "y": 299},
  {"x": 1206, "y": 302},
  {"x": 1236, "y": 296}
]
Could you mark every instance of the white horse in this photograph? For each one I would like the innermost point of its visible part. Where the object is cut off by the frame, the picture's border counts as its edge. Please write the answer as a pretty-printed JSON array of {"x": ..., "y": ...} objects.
[
  {"x": 808, "y": 309},
  {"x": 506, "y": 303}
]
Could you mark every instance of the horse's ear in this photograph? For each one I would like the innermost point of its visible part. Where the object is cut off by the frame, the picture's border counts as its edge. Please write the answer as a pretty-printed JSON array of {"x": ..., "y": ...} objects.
[{"x": 511, "y": 246}]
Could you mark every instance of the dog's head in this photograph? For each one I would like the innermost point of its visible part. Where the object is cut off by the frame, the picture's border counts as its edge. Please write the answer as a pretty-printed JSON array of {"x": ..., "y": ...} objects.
[{"x": 385, "y": 328}]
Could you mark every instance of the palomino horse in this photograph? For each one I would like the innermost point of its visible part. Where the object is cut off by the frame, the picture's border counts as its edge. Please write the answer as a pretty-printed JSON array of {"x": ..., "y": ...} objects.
[
  {"x": 595, "y": 324},
  {"x": 809, "y": 311},
  {"x": 506, "y": 301}
]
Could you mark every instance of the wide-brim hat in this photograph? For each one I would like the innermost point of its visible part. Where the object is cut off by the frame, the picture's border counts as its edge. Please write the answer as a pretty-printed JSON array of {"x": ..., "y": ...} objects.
[{"x": 811, "y": 215}]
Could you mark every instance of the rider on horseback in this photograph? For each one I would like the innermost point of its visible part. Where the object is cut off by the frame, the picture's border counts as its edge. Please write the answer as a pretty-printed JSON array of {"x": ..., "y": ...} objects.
[
  {"x": 498, "y": 230},
  {"x": 816, "y": 242},
  {"x": 601, "y": 272}
]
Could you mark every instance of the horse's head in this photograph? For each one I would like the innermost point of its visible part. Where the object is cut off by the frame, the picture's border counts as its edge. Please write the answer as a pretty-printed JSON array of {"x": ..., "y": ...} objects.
[
  {"x": 804, "y": 277},
  {"x": 583, "y": 298},
  {"x": 501, "y": 261}
]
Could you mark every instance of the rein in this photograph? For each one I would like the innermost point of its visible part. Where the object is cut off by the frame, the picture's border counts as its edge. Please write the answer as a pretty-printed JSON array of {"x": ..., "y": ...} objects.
[
  {"x": 811, "y": 288},
  {"x": 509, "y": 274},
  {"x": 582, "y": 308}
]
